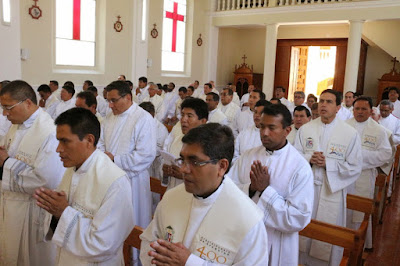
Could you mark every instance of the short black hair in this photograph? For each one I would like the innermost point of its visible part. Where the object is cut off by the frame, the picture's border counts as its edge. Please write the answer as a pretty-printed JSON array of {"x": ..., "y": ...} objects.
[
  {"x": 276, "y": 99},
  {"x": 55, "y": 82},
  {"x": 262, "y": 103},
  {"x": 279, "y": 109},
  {"x": 81, "y": 121},
  {"x": 190, "y": 87},
  {"x": 69, "y": 83},
  {"x": 121, "y": 86},
  {"x": 230, "y": 91},
  {"x": 19, "y": 90},
  {"x": 89, "y": 98},
  {"x": 216, "y": 140},
  {"x": 282, "y": 88},
  {"x": 198, "y": 105},
  {"x": 312, "y": 96},
  {"x": 89, "y": 82},
  {"x": 92, "y": 89},
  {"x": 44, "y": 88},
  {"x": 314, "y": 106},
  {"x": 196, "y": 81},
  {"x": 142, "y": 79},
  {"x": 183, "y": 89},
  {"x": 173, "y": 84},
  {"x": 393, "y": 89},
  {"x": 351, "y": 93},
  {"x": 149, "y": 107},
  {"x": 364, "y": 98},
  {"x": 301, "y": 108},
  {"x": 337, "y": 94},
  {"x": 260, "y": 93},
  {"x": 209, "y": 85},
  {"x": 130, "y": 84},
  {"x": 69, "y": 89},
  {"x": 215, "y": 96}
]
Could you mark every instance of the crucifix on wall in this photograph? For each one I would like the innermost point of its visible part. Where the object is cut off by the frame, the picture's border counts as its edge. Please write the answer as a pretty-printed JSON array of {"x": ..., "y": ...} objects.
[
  {"x": 394, "y": 60},
  {"x": 175, "y": 18}
]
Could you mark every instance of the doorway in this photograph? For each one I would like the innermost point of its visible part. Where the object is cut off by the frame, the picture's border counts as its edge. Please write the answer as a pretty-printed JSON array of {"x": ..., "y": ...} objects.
[{"x": 312, "y": 69}]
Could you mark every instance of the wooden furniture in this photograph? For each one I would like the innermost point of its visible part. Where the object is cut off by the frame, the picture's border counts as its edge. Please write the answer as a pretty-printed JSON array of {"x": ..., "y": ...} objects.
[
  {"x": 244, "y": 77},
  {"x": 391, "y": 79},
  {"x": 132, "y": 241},
  {"x": 157, "y": 187},
  {"x": 381, "y": 186}
]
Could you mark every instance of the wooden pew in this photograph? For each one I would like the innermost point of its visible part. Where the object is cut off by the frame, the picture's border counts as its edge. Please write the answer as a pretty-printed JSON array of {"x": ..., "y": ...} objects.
[
  {"x": 156, "y": 187},
  {"x": 132, "y": 241},
  {"x": 396, "y": 166},
  {"x": 381, "y": 188}
]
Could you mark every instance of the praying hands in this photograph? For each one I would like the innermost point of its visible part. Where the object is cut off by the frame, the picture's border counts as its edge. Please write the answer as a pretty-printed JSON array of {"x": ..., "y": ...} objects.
[
  {"x": 259, "y": 177},
  {"x": 52, "y": 201},
  {"x": 318, "y": 158},
  {"x": 166, "y": 253}
]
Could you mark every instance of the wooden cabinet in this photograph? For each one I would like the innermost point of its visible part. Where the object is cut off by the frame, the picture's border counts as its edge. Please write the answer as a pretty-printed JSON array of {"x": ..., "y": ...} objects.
[
  {"x": 244, "y": 77},
  {"x": 391, "y": 79}
]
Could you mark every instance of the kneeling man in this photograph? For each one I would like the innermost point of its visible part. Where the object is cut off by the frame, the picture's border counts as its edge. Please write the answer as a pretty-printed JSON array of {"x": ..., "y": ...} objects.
[
  {"x": 92, "y": 208},
  {"x": 207, "y": 219}
]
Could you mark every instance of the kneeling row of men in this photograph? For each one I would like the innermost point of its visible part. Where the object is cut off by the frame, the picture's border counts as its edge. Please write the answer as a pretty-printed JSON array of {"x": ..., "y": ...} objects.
[{"x": 207, "y": 218}]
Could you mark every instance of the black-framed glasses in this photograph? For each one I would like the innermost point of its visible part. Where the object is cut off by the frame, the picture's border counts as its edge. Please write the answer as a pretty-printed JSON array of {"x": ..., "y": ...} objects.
[{"x": 180, "y": 162}]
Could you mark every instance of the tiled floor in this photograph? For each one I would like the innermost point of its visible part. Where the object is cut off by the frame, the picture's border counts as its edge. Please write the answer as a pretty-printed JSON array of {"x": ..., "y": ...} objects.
[{"x": 387, "y": 248}]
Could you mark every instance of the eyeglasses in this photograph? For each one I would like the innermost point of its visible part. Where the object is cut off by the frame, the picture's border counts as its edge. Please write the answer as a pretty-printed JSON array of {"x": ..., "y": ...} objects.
[
  {"x": 8, "y": 108},
  {"x": 115, "y": 100},
  {"x": 180, "y": 162}
]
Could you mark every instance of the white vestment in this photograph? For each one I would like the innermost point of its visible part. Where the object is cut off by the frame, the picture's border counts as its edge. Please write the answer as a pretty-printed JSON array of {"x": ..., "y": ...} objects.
[
  {"x": 57, "y": 93},
  {"x": 197, "y": 93},
  {"x": 5, "y": 125},
  {"x": 173, "y": 144},
  {"x": 33, "y": 163},
  {"x": 157, "y": 101},
  {"x": 286, "y": 102},
  {"x": 208, "y": 227},
  {"x": 63, "y": 106},
  {"x": 376, "y": 151},
  {"x": 232, "y": 112},
  {"x": 245, "y": 99},
  {"x": 168, "y": 109},
  {"x": 178, "y": 109},
  {"x": 292, "y": 135},
  {"x": 144, "y": 92},
  {"x": 93, "y": 228},
  {"x": 51, "y": 104},
  {"x": 236, "y": 99},
  {"x": 217, "y": 116},
  {"x": 348, "y": 108},
  {"x": 131, "y": 138},
  {"x": 102, "y": 105},
  {"x": 393, "y": 124},
  {"x": 246, "y": 140},
  {"x": 341, "y": 147},
  {"x": 244, "y": 120},
  {"x": 344, "y": 114},
  {"x": 287, "y": 202},
  {"x": 396, "y": 109}
]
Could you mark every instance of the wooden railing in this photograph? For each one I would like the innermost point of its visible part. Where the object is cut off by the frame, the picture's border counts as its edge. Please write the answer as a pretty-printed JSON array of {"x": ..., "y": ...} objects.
[{"x": 227, "y": 5}]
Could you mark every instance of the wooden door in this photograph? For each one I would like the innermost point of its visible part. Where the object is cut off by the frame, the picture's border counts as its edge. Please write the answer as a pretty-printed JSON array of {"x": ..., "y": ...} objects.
[{"x": 302, "y": 71}]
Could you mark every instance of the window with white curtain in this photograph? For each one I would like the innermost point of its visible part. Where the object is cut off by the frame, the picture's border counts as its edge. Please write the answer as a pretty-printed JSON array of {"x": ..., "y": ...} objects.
[
  {"x": 6, "y": 11},
  {"x": 75, "y": 32}
]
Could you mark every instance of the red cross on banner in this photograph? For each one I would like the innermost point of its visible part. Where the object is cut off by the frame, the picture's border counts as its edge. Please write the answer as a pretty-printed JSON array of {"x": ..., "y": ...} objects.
[
  {"x": 76, "y": 26},
  {"x": 175, "y": 18}
]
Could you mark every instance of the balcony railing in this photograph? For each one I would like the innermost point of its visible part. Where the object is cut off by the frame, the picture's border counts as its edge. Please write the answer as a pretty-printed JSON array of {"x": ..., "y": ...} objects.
[{"x": 226, "y": 5}]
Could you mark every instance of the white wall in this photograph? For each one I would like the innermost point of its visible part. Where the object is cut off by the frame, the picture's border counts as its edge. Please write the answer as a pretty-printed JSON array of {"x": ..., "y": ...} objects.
[{"x": 10, "y": 60}]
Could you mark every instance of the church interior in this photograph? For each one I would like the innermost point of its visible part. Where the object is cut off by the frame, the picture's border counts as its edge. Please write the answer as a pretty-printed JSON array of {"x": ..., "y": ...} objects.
[{"x": 300, "y": 45}]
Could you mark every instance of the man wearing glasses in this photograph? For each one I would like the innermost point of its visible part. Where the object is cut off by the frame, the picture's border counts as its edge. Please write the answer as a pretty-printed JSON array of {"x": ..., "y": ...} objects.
[
  {"x": 28, "y": 160},
  {"x": 206, "y": 220},
  {"x": 128, "y": 137}
]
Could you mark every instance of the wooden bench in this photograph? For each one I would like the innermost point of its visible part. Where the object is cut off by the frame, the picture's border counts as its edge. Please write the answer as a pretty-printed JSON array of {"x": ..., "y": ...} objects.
[
  {"x": 132, "y": 241},
  {"x": 157, "y": 187},
  {"x": 381, "y": 188}
]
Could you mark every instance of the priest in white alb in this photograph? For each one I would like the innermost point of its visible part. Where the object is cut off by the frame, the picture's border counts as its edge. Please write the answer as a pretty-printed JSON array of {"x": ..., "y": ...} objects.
[
  {"x": 128, "y": 137},
  {"x": 230, "y": 109},
  {"x": 301, "y": 116},
  {"x": 389, "y": 121},
  {"x": 376, "y": 151},
  {"x": 207, "y": 220},
  {"x": 194, "y": 113},
  {"x": 276, "y": 177},
  {"x": 245, "y": 118},
  {"x": 28, "y": 160},
  {"x": 215, "y": 115},
  {"x": 48, "y": 100},
  {"x": 67, "y": 101},
  {"x": 250, "y": 137},
  {"x": 333, "y": 148},
  {"x": 154, "y": 98},
  {"x": 89, "y": 215}
]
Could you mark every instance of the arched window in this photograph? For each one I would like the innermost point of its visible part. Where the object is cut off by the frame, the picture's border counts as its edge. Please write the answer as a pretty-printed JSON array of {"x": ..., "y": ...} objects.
[
  {"x": 174, "y": 36},
  {"x": 76, "y": 32}
]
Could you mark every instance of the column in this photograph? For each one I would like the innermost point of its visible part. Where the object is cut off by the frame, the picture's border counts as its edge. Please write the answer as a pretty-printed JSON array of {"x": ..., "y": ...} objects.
[
  {"x": 353, "y": 56},
  {"x": 269, "y": 60},
  {"x": 139, "y": 46},
  {"x": 210, "y": 67}
]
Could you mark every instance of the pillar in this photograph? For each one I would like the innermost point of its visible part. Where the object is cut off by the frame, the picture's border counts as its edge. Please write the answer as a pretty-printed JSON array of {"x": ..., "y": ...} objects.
[
  {"x": 353, "y": 56},
  {"x": 269, "y": 60}
]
